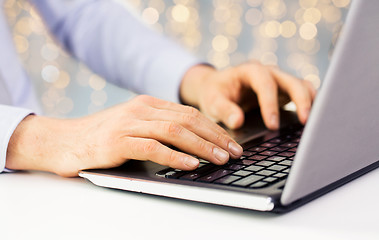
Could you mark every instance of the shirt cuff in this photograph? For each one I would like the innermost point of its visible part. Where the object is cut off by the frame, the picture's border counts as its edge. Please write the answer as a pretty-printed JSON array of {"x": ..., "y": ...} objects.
[
  {"x": 165, "y": 75},
  {"x": 10, "y": 117}
]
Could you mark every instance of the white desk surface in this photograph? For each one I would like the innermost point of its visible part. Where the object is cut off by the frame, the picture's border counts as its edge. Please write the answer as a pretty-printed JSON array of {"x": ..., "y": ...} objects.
[{"x": 37, "y": 205}]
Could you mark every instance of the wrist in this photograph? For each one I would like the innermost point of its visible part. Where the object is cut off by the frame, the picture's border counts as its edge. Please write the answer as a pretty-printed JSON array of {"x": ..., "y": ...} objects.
[
  {"x": 192, "y": 83},
  {"x": 37, "y": 144}
]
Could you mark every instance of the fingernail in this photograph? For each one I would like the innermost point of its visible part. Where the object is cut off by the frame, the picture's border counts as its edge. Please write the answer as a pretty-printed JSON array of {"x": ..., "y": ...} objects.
[
  {"x": 232, "y": 120},
  {"x": 221, "y": 155},
  {"x": 235, "y": 149},
  {"x": 191, "y": 162},
  {"x": 274, "y": 121}
]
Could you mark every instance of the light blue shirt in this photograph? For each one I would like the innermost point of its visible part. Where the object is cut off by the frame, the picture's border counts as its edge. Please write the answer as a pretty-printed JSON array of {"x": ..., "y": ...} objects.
[{"x": 109, "y": 39}]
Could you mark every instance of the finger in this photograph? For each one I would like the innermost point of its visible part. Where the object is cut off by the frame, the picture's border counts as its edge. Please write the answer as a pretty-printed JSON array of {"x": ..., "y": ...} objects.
[
  {"x": 150, "y": 149},
  {"x": 158, "y": 104},
  {"x": 164, "y": 105},
  {"x": 201, "y": 126},
  {"x": 300, "y": 94},
  {"x": 311, "y": 89},
  {"x": 178, "y": 136},
  {"x": 225, "y": 110},
  {"x": 266, "y": 89}
]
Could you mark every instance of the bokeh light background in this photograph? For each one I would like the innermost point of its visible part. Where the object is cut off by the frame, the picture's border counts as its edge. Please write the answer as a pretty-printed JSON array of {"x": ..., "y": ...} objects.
[{"x": 296, "y": 35}]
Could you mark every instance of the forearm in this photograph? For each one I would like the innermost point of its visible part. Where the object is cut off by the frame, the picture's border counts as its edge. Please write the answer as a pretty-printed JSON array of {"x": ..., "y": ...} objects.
[{"x": 118, "y": 46}]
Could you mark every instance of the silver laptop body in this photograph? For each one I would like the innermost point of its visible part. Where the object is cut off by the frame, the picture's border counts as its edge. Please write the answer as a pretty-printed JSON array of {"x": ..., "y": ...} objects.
[{"x": 339, "y": 142}]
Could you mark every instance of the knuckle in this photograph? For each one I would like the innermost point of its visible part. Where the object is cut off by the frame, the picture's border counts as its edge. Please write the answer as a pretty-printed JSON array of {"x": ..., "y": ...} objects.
[
  {"x": 172, "y": 159},
  {"x": 174, "y": 129},
  {"x": 221, "y": 139},
  {"x": 193, "y": 111},
  {"x": 203, "y": 146},
  {"x": 151, "y": 147},
  {"x": 190, "y": 120},
  {"x": 144, "y": 99}
]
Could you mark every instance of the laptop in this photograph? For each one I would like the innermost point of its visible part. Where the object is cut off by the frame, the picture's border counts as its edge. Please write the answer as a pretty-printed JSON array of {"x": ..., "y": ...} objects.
[{"x": 284, "y": 169}]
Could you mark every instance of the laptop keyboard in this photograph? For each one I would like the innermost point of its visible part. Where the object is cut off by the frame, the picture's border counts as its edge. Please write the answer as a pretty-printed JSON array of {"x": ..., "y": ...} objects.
[{"x": 261, "y": 164}]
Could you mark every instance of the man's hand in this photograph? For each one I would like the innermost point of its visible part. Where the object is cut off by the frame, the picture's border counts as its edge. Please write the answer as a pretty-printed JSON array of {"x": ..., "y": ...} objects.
[
  {"x": 225, "y": 95},
  {"x": 140, "y": 129}
]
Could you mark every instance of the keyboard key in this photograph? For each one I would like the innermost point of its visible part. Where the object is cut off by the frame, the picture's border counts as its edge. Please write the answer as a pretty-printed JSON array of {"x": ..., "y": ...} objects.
[
  {"x": 254, "y": 168},
  {"x": 257, "y": 149},
  {"x": 246, "y": 162},
  {"x": 287, "y": 170},
  {"x": 227, "y": 179},
  {"x": 242, "y": 173},
  {"x": 293, "y": 149},
  {"x": 289, "y": 145},
  {"x": 234, "y": 166},
  {"x": 277, "y": 168},
  {"x": 265, "y": 163},
  {"x": 174, "y": 174},
  {"x": 258, "y": 184},
  {"x": 215, "y": 175},
  {"x": 276, "y": 140},
  {"x": 280, "y": 175},
  {"x": 247, "y": 180},
  {"x": 190, "y": 176},
  {"x": 286, "y": 162},
  {"x": 265, "y": 172},
  {"x": 268, "y": 145},
  {"x": 270, "y": 179},
  {"x": 268, "y": 153},
  {"x": 286, "y": 154},
  {"x": 276, "y": 158},
  {"x": 296, "y": 140},
  {"x": 278, "y": 149},
  {"x": 248, "y": 153},
  {"x": 257, "y": 157}
]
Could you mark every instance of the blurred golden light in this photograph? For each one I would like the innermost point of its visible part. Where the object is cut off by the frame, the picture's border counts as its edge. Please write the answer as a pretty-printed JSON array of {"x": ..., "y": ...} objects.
[
  {"x": 62, "y": 81},
  {"x": 253, "y": 16},
  {"x": 222, "y": 14},
  {"x": 21, "y": 43},
  {"x": 307, "y": 3},
  {"x": 254, "y": 3},
  {"x": 99, "y": 98},
  {"x": 308, "y": 69},
  {"x": 49, "y": 52},
  {"x": 308, "y": 31},
  {"x": 96, "y": 82},
  {"x": 220, "y": 43},
  {"x": 50, "y": 73},
  {"x": 23, "y": 26},
  {"x": 65, "y": 105},
  {"x": 341, "y": 3},
  {"x": 314, "y": 79},
  {"x": 219, "y": 59},
  {"x": 272, "y": 29},
  {"x": 274, "y": 8},
  {"x": 150, "y": 15},
  {"x": 269, "y": 58},
  {"x": 159, "y": 5},
  {"x": 311, "y": 46},
  {"x": 332, "y": 14},
  {"x": 296, "y": 60},
  {"x": 287, "y": 29},
  {"x": 233, "y": 28},
  {"x": 180, "y": 13},
  {"x": 312, "y": 15}
]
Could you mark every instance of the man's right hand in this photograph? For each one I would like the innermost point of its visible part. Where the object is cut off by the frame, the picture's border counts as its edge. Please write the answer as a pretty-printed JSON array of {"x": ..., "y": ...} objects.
[{"x": 140, "y": 129}]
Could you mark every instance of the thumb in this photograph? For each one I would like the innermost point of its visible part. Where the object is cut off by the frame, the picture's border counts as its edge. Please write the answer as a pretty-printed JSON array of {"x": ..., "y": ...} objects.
[{"x": 226, "y": 111}]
